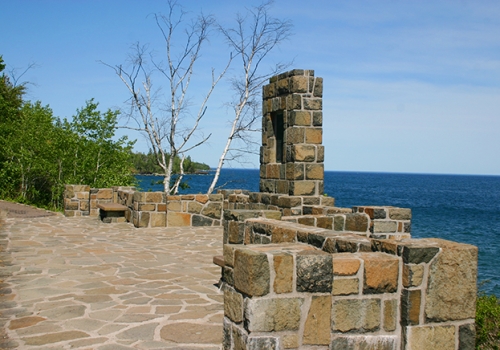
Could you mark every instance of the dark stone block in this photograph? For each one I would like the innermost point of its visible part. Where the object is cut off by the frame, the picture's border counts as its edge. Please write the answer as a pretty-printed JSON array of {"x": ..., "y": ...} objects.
[
  {"x": 417, "y": 255},
  {"x": 199, "y": 220},
  {"x": 314, "y": 272},
  {"x": 316, "y": 240},
  {"x": 466, "y": 337},
  {"x": 259, "y": 343}
]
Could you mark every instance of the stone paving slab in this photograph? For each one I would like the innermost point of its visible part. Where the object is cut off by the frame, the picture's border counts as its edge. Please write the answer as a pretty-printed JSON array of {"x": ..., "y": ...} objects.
[{"x": 78, "y": 283}]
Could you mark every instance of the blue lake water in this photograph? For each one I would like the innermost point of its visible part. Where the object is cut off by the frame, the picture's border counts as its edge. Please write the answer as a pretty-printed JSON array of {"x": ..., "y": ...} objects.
[{"x": 462, "y": 208}]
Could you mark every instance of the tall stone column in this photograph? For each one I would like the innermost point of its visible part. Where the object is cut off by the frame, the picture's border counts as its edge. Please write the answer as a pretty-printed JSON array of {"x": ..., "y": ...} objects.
[{"x": 292, "y": 155}]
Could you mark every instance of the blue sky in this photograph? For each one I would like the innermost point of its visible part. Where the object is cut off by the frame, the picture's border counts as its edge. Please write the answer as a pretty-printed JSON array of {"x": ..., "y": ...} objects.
[{"x": 409, "y": 86}]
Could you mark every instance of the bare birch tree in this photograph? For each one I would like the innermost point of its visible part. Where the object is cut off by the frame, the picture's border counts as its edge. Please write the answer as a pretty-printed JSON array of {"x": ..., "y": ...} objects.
[
  {"x": 255, "y": 35},
  {"x": 163, "y": 118}
]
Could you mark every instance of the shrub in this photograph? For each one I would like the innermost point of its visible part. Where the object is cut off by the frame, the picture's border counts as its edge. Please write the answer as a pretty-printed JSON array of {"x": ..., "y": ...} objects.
[{"x": 487, "y": 322}]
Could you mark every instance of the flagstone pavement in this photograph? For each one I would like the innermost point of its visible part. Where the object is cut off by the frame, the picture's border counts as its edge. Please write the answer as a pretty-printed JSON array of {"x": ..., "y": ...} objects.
[{"x": 78, "y": 283}]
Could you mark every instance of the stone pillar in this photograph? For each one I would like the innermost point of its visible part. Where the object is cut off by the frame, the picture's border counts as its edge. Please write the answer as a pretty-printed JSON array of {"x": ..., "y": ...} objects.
[{"x": 292, "y": 155}]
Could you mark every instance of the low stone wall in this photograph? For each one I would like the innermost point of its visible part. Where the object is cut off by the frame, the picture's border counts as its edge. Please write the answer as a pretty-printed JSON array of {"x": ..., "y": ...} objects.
[
  {"x": 147, "y": 209},
  {"x": 291, "y": 286}
]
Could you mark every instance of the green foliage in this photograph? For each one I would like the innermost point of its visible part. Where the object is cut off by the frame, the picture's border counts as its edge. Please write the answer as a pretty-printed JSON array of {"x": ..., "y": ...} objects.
[
  {"x": 39, "y": 154},
  {"x": 487, "y": 322},
  {"x": 147, "y": 164}
]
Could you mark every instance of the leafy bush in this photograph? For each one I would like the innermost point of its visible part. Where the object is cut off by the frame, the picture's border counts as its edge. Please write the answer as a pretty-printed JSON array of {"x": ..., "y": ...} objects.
[{"x": 487, "y": 322}]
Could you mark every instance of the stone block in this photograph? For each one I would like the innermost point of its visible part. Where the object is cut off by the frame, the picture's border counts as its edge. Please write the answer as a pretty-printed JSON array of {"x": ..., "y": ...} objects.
[
  {"x": 158, "y": 220},
  {"x": 273, "y": 171},
  {"x": 314, "y": 272},
  {"x": 344, "y": 264},
  {"x": 307, "y": 220},
  {"x": 356, "y": 222},
  {"x": 410, "y": 307},
  {"x": 390, "y": 315},
  {"x": 174, "y": 206},
  {"x": 451, "y": 286},
  {"x": 289, "y": 201},
  {"x": 315, "y": 172},
  {"x": 294, "y": 135},
  {"x": 316, "y": 240},
  {"x": 283, "y": 271},
  {"x": 273, "y": 315},
  {"x": 194, "y": 207},
  {"x": 412, "y": 275},
  {"x": 83, "y": 195},
  {"x": 317, "y": 118},
  {"x": 201, "y": 198},
  {"x": 146, "y": 207},
  {"x": 293, "y": 101},
  {"x": 466, "y": 336},
  {"x": 161, "y": 207},
  {"x": 314, "y": 136},
  {"x": 233, "y": 304},
  {"x": 345, "y": 286},
  {"x": 70, "y": 204},
  {"x": 175, "y": 219},
  {"x": 303, "y": 153},
  {"x": 399, "y": 213},
  {"x": 318, "y": 87},
  {"x": 356, "y": 315},
  {"x": 236, "y": 232},
  {"x": 299, "y": 84},
  {"x": 430, "y": 337},
  {"x": 259, "y": 343},
  {"x": 365, "y": 342},
  {"x": 300, "y": 118},
  {"x": 381, "y": 272},
  {"x": 251, "y": 272},
  {"x": 227, "y": 331},
  {"x": 302, "y": 188},
  {"x": 384, "y": 226},
  {"x": 200, "y": 220},
  {"x": 325, "y": 222},
  {"x": 290, "y": 341},
  {"x": 143, "y": 219},
  {"x": 317, "y": 326},
  {"x": 313, "y": 104},
  {"x": 338, "y": 222},
  {"x": 418, "y": 251},
  {"x": 105, "y": 193},
  {"x": 283, "y": 235}
]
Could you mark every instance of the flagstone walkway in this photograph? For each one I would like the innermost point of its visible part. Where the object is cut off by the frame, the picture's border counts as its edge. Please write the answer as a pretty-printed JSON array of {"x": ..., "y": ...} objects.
[{"x": 77, "y": 283}]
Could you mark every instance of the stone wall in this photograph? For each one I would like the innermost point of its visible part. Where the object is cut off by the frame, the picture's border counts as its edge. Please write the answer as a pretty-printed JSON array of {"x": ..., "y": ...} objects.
[
  {"x": 146, "y": 209},
  {"x": 291, "y": 286}
]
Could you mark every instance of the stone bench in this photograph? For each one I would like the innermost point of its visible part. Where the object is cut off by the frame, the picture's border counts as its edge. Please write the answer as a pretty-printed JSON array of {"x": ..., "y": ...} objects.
[{"x": 112, "y": 212}]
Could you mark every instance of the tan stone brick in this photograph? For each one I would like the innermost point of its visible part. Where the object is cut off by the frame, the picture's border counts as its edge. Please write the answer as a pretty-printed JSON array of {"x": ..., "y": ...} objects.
[
  {"x": 283, "y": 268},
  {"x": 273, "y": 171},
  {"x": 233, "y": 304},
  {"x": 314, "y": 135},
  {"x": 344, "y": 264},
  {"x": 294, "y": 171},
  {"x": 83, "y": 195},
  {"x": 105, "y": 193},
  {"x": 399, "y": 213},
  {"x": 317, "y": 326},
  {"x": 201, "y": 198},
  {"x": 384, "y": 226},
  {"x": 283, "y": 86},
  {"x": 299, "y": 84},
  {"x": 294, "y": 135},
  {"x": 161, "y": 207},
  {"x": 275, "y": 314},
  {"x": 158, "y": 220},
  {"x": 410, "y": 306},
  {"x": 269, "y": 90},
  {"x": 175, "y": 219},
  {"x": 325, "y": 222},
  {"x": 293, "y": 101},
  {"x": 174, "y": 206},
  {"x": 300, "y": 118},
  {"x": 303, "y": 153},
  {"x": 154, "y": 197},
  {"x": 356, "y": 222},
  {"x": 390, "y": 315},
  {"x": 290, "y": 341},
  {"x": 251, "y": 272},
  {"x": 302, "y": 188},
  {"x": 431, "y": 337},
  {"x": 451, "y": 291},
  {"x": 283, "y": 235},
  {"x": 356, "y": 315},
  {"x": 315, "y": 172},
  {"x": 313, "y": 103},
  {"x": 412, "y": 275},
  {"x": 194, "y": 207},
  {"x": 345, "y": 286},
  {"x": 146, "y": 207},
  {"x": 381, "y": 273}
]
